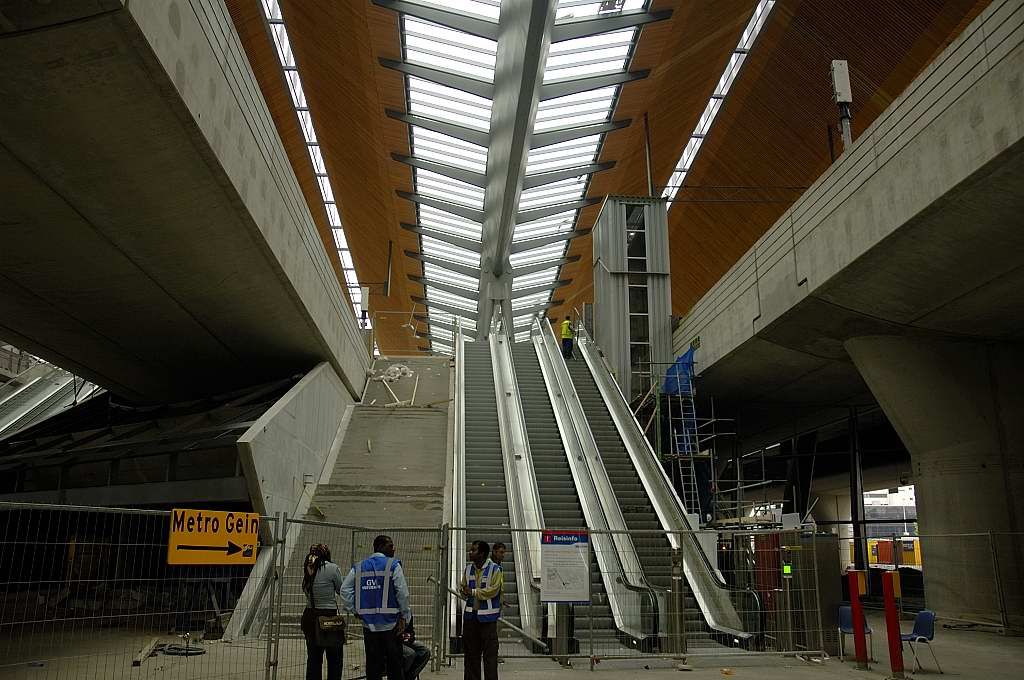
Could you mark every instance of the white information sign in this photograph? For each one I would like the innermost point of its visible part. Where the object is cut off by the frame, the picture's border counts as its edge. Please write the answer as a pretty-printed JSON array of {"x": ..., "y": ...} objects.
[{"x": 565, "y": 567}]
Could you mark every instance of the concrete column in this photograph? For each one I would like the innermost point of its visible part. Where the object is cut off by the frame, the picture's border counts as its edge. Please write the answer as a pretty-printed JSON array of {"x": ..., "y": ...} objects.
[{"x": 959, "y": 409}]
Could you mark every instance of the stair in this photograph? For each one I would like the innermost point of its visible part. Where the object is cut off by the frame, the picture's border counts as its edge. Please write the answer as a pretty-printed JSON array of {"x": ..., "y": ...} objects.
[
  {"x": 486, "y": 500},
  {"x": 555, "y": 485},
  {"x": 654, "y": 551}
]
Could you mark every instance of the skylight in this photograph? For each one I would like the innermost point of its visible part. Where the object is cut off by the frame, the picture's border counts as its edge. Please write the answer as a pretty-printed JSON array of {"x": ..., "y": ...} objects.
[
  {"x": 275, "y": 21},
  {"x": 732, "y": 69}
]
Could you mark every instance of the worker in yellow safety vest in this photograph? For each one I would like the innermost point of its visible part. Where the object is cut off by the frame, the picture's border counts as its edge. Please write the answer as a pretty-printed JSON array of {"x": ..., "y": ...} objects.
[{"x": 567, "y": 339}]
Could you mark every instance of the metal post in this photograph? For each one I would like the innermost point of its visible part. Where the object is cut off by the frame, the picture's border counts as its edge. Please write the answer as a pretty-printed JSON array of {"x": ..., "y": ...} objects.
[
  {"x": 440, "y": 632},
  {"x": 677, "y": 610},
  {"x": 844, "y": 125},
  {"x": 817, "y": 595},
  {"x": 282, "y": 556},
  {"x": 856, "y": 493},
  {"x": 892, "y": 623},
  {"x": 273, "y": 589},
  {"x": 560, "y": 644},
  {"x": 647, "y": 156},
  {"x": 1000, "y": 595},
  {"x": 857, "y": 618}
]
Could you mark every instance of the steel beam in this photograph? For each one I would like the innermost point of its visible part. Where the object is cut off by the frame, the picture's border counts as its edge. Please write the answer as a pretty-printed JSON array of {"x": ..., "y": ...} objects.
[
  {"x": 524, "y": 36},
  {"x": 457, "y": 267},
  {"x": 540, "y": 288},
  {"x": 570, "y": 29},
  {"x": 456, "y": 81},
  {"x": 541, "y": 266},
  {"x": 471, "y": 214},
  {"x": 459, "y": 21},
  {"x": 467, "y": 293},
  {"x": 534, "y": 214},
  {"x": 450, "y": 171},
  {"x": 541, "y": 178},
  {"x": 469, "y": 135},
  {"x": 540, "y": 241},
  {"x": 458, "y": 241},
  {"x": 430, "y": 304},
  {"x": 559, "y": 135},
  {"x": 568, "y": 86},
  {"x": 532, "y": 310}
]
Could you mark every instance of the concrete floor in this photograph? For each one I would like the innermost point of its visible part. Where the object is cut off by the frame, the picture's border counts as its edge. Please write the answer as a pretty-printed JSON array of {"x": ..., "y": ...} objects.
[{"x": 962, "y": 653}]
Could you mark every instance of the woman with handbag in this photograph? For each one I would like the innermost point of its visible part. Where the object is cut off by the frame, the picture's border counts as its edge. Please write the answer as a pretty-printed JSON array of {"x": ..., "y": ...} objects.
[{"x": 322, "y": 626}]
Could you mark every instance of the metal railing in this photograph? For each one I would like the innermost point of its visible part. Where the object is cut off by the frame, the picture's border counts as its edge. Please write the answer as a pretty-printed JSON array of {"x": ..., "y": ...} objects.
[
  {"x": 620, "y": 567},
  {"x": 969, "y": 579},
  {"x": 714, "y": 596},
  {"x": 87, "y": 593},
  {"x": 524, "y": 506},
  {"x": 457, "y": 504}
]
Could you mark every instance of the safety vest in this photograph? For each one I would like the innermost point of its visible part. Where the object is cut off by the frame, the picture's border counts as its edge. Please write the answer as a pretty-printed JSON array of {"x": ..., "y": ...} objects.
[
  {"x": 566, "y": 330},
  {"x": 489, "y": 610},
  {"x": 376, "y": 602}
]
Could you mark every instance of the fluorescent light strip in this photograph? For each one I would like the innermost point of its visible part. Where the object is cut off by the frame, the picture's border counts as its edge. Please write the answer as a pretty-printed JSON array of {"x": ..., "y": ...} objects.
[
  {"x": 714, "y": 105},
  {"x": 275, "y": 22}
]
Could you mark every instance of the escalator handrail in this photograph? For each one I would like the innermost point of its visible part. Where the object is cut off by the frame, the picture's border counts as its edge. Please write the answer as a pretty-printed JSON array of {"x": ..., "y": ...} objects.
[
  {"x": 614, "y": 551},
  {"x": 667, "y": 504},
  {"x": 524, "y": 510},
  {"x": 457, "y": 539}
]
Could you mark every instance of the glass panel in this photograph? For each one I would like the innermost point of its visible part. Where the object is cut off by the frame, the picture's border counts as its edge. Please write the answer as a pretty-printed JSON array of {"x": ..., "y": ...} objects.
[
  {"x": 636, "y": 219},
  {"x": 639, "y": 357},
  {"x": 639, "y": 328},
  {"x": 732, "y": 69},
  {"x": 636, "y": 245},
  {"x": 638, "y": 300}
]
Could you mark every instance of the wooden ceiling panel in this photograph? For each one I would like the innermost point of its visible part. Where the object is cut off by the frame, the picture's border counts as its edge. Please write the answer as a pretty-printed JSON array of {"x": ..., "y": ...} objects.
[{"x": 686, "y": 55}]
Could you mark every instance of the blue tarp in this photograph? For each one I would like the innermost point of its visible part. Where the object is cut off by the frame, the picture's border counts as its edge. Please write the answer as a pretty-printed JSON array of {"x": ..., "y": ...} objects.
[{"x": 678, "y": 378}]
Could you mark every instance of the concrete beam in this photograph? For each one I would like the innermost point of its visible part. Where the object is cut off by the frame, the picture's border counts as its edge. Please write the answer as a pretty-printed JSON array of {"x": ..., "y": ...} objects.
[
  {"x": 460, "y": 241},
  {"x": 570, "y": 29},
  {"x": 469, "y": 135},
  {"x": 461, "y": 174},
  {"x": 523, "y": 40},
  {"x": 559, "y": 135},
  {"x": 456, "y": 267},
  {"x": 456, "y": 81}
]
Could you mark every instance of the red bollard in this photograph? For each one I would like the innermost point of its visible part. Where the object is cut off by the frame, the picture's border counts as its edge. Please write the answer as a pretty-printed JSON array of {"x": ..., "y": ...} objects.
[
  {"x": 890, "y": 591},
  {"x": 860, "y": 641}
]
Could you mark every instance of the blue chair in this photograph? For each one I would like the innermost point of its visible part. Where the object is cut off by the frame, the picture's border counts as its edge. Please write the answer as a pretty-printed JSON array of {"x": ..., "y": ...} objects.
[
  {"x": 924, "y": 632},
  {"x": 846, "y": 628}
]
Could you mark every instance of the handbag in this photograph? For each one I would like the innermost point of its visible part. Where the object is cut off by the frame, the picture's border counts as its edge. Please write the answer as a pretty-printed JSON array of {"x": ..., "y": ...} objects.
[{"x": 330, "y": 631}]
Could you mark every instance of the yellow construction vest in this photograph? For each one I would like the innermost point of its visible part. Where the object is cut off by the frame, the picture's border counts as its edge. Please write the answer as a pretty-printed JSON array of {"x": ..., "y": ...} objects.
[{"x": 566, "y": 329}]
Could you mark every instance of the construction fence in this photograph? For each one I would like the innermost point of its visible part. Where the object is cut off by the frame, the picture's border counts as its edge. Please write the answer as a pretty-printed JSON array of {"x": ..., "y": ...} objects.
[
  {"x": 968, "y": 579},
  {"x": 87, "y": 593}
]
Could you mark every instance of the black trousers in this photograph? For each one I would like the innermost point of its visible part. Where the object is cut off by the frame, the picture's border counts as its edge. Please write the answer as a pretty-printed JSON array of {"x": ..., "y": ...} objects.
[
  {"x": 314, "y": 654},
  {"x": 383, "y": 655},
  {"x": 480, "y": 642},
  {"x": 567, "y": 348}
]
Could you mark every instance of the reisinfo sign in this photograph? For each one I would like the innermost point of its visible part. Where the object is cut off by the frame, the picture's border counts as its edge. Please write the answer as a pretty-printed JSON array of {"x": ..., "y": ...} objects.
[
  {"x": 565, "y": 567},
  {"x": 212, "y": 537}
]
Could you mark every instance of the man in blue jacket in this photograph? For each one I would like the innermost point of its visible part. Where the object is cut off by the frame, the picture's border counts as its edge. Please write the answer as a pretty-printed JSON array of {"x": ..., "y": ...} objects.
[{"x": 376, "y": 591}]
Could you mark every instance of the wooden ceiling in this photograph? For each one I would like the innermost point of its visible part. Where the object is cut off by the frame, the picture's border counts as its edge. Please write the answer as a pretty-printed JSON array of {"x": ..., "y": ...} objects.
[{"x": 769, "y": 140}]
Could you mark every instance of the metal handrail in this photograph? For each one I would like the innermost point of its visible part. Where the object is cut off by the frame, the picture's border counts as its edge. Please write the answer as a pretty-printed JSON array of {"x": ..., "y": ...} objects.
[
  {"x": 458, "y": 500},
  {"x": 714, "y": 596},
  {"x": 524, "y": 507},
  {"x": 616, "y": 555}
]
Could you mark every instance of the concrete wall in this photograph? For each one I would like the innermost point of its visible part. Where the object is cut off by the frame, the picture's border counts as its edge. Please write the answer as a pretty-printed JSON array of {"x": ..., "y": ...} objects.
[
  {"x": 297, "y": 436},
  {"x": 198, "y": 47},
  {"x": 136, "y": 137},
  {"x": 959, "y": 114},
  {"x": 958, "y": 407}
]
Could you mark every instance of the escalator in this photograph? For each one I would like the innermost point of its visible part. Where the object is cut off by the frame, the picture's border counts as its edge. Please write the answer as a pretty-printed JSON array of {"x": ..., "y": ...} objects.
[
  {"x": 485, "y": 493},
  {"x": 654, "y": 551},
  {"x": 557, "y": 491}
]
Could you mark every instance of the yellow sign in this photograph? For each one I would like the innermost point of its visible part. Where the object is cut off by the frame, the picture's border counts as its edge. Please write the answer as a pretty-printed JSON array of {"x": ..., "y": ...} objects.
[{"x": 212, "y": 537}]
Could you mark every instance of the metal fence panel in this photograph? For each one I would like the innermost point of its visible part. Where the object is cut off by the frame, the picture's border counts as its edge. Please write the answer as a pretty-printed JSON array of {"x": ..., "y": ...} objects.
[{"x": 88, "y": 593}]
